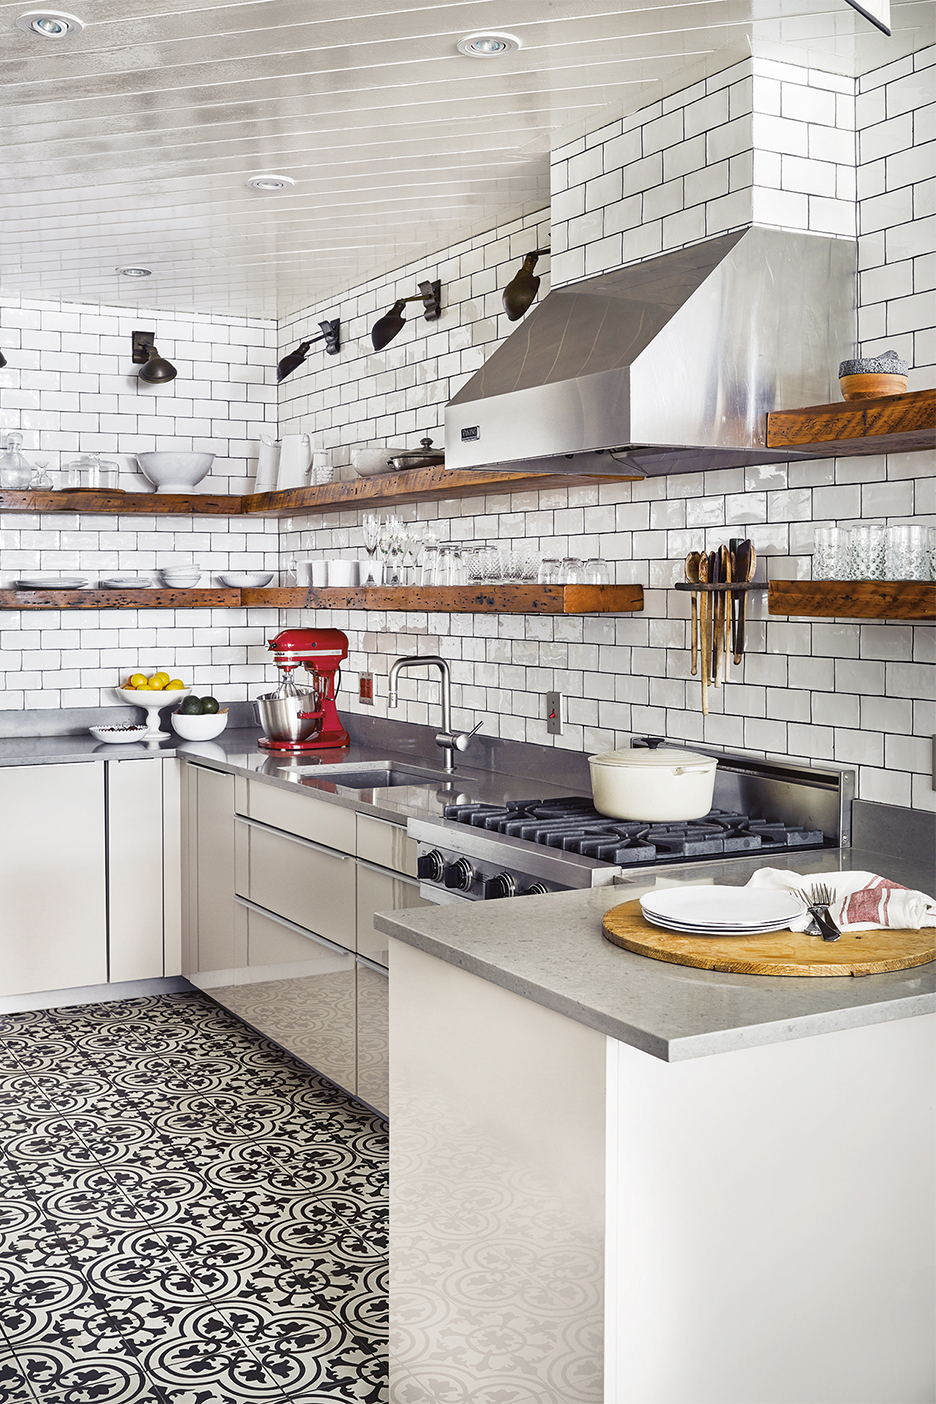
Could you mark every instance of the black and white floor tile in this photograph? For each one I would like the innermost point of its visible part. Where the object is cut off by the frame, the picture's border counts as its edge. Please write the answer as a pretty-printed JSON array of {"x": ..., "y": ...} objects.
[{"x": 187, "y": 1215}]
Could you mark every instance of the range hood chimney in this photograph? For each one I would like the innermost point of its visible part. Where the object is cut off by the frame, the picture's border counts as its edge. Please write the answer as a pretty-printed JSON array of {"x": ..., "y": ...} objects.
[{"x": 669, "y": 365}]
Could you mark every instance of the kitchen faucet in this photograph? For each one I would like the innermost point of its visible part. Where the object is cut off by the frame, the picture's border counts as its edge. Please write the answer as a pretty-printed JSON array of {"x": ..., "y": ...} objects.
[{"x": 449, "y": 741}]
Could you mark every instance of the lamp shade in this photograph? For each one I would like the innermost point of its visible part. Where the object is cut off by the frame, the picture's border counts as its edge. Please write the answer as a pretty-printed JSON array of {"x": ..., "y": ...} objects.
[{"x": 156, "y": 370}]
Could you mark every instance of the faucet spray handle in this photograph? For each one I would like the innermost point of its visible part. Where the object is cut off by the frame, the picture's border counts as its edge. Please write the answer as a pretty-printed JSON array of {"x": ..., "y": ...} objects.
[{"x": 462, "y": 739}]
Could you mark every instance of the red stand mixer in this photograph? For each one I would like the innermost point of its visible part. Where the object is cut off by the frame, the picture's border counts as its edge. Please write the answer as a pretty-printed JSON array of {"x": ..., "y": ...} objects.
[{"x": 297, "y": 719}]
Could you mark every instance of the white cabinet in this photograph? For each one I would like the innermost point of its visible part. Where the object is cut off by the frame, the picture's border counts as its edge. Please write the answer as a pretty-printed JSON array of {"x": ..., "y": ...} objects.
[
  {"x": 53, "y": 892},
  {"x": 211, "y": 948},
  {"x": 293, "y": 877},
  {"x": 373, "y": 1042},
  {"x": 299, "y": 990},
  {"x": 141, "y": 865}
]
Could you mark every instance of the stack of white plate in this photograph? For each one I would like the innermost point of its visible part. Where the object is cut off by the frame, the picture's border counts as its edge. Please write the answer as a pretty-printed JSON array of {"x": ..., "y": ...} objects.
[
  {"x": 47, "y": 581},
  {"x": 721, "y": 911},
  {"x": 126, "y": 582}
]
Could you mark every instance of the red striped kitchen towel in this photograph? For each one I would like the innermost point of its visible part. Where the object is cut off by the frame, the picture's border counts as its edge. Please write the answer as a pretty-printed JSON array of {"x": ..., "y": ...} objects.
[{"x": 861, "y": 901}]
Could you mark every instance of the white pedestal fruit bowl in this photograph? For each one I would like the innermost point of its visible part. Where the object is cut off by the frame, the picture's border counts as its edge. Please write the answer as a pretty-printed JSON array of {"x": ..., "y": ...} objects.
[{"x": 152, "y": 701}]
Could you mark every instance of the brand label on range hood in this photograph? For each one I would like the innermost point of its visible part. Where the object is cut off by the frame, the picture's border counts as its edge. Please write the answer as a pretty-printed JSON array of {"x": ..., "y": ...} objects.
[{"x": 471, "y": 434}]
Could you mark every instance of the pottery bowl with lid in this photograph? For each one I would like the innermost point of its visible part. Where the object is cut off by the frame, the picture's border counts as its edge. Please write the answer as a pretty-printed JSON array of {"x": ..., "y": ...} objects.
[{"x": 660, "y": 786}]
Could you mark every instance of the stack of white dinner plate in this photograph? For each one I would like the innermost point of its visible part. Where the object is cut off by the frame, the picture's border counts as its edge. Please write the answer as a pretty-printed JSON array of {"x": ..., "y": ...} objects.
[{"x": 708, "y": 910}]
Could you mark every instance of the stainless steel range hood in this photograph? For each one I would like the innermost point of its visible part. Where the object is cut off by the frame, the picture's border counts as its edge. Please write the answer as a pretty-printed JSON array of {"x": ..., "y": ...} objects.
[{"x": 669, "y": 365}]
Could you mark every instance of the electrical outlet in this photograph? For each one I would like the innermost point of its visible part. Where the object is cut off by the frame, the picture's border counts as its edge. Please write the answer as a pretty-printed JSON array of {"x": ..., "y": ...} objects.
[
  {"x": 366, "y": 688},
  {"x": 554, "y": 713}
]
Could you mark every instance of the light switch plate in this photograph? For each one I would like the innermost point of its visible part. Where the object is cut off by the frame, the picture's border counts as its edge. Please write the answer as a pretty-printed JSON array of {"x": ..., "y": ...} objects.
[{"x": 554, "y": 713}]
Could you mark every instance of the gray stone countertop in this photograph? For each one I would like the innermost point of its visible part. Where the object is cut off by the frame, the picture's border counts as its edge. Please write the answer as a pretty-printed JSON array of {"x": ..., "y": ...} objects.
[{"x": 551, "y": 950}]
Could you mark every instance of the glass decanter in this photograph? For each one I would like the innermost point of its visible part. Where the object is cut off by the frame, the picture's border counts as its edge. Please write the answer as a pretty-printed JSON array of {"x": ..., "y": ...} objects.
[{"x": 15, "y": 470}]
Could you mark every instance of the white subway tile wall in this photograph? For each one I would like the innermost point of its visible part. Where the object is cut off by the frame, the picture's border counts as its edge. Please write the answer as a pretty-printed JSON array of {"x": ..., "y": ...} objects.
[
  {"x": 710, "y": 154},
  {"x": 699, "y": 162}
]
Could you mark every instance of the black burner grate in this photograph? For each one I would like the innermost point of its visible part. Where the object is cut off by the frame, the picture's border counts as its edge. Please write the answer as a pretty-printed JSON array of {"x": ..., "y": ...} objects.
[{"x": 575, "y": 826}]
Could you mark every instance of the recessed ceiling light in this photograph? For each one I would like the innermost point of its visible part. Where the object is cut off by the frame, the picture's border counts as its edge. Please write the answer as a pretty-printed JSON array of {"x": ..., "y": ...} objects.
[
  {"x": 135, "y": 272},
  {"x": 271, "y": 182},
  {"x": 488, "y": 45},
  {"x": 51, "y": 24}
]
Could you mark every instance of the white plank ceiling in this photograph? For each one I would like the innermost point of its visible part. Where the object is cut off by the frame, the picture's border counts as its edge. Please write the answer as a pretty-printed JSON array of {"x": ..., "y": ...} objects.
[{"x": 131, "y": 142}]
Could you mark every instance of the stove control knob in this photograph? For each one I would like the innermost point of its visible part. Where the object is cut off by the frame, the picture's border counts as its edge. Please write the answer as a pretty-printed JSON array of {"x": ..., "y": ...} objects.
[
  {"x": 430, "y": 867},
  {"x": 459, "y": 875},
  {"x": 537, "y": 889},
  {"x": 501, "y": 885}
]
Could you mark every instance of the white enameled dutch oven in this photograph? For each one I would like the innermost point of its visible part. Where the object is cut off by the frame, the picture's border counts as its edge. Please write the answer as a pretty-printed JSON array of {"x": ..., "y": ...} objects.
[{"x": 661, "y": 786}]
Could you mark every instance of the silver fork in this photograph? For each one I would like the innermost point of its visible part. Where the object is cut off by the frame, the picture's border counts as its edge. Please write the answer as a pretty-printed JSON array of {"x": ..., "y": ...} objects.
[{"x": 818, "y": 900}]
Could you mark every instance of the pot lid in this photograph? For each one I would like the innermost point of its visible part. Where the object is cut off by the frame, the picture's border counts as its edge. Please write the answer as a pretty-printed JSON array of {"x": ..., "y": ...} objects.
[{"x": 661, "y": 757}]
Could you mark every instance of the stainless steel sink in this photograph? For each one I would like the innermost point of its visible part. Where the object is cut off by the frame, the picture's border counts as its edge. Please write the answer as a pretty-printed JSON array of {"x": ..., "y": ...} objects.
[{"x": 371, "y": 777}]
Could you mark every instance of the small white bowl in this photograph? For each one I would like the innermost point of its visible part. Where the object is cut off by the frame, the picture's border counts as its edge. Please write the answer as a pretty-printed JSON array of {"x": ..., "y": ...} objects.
[
  {"x": 181, "y": 581},
  {"x": 118, "y": 735},
  {"x": 172, "y": 471},
  {"x": 368, "y": 463},
  {"x": 199, "y": 728},
  {"x": 246, "y": 579}
]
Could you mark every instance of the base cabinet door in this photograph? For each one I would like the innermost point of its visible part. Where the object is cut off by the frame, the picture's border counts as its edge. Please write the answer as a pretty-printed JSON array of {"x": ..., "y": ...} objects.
[
  {"x": 373, "y": 1060},
  {"x": 302, "y": 881},
  {"x": 298, "y": 990},
  {"x": 211, "y": 948},
  {"x": 53, "y": 899},
  {"x": 380, "y": 891}
]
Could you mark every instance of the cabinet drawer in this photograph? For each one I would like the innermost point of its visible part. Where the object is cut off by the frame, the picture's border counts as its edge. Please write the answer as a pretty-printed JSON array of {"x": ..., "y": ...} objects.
[
  {"x": 373, "y": 1061},
  {"x": 298, "y": 812},
  {"x": 302, "y": 881},
  {"x": 301, "y": 993},
  {"x": 380, "y": 891},
  {"x": 387, "y": 845}
]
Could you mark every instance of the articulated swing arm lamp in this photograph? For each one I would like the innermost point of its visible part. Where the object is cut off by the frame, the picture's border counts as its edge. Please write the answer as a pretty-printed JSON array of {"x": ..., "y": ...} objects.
[
  {"x": 392, "y": 322},
  {"x": 331, "y": 335}
]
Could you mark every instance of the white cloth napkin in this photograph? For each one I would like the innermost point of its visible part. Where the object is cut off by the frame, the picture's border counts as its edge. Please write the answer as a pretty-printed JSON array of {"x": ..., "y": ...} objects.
[
  {"x": 861, "y": 901},
  {"x": 294, "y": 460},
  {"x": 267, "y": 464}
]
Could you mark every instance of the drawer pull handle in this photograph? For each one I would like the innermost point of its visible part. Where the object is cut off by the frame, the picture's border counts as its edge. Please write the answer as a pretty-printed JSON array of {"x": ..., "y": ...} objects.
[
  {"x": 294, "y": 838},
  {"x": 293, "y": 926}
]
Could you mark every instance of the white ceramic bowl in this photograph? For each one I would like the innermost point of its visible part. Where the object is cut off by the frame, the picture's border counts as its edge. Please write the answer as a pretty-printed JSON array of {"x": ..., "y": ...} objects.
[
  {"x": 181, "y": 580},
  {"x": 171, "y": 471},
  {"x": 246, "y": 579},
  {"x": 369, "y": 462},
  {"x": 118, "y": 735},
  {"x": 199, "y": 728}
]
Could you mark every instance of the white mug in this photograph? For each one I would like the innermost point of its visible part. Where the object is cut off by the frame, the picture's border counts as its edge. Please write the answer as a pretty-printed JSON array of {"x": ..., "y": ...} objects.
[
  {"x": 303, "y": 572},
  {"x": 343, "y": 573},
  {"x": 319, "y": 572}
]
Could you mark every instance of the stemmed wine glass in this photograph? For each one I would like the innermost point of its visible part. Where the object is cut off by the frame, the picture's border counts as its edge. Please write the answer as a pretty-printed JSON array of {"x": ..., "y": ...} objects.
[
  {"x": 371, "y": 530},
  {"x": 389, "y": 540}
]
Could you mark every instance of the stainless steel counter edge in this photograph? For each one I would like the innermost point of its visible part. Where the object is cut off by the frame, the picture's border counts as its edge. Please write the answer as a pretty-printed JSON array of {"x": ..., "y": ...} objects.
[{"x": 551, "y": 950}]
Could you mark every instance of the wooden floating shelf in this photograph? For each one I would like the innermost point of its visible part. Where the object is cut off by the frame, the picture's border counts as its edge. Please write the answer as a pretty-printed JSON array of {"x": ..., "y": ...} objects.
[
  {"x": 892, "y": 424},
  {"x": 384, "y": 490},
  {"x": 459, "y": 599},
  {"x": 856, "y": 599},
  {"x": 151, "y": 504},
  {"x": 118, "y": 599}
]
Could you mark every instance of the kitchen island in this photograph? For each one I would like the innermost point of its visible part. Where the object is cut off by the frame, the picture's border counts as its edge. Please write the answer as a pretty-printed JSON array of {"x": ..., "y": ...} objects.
[{"x": 626, "y": 1181}]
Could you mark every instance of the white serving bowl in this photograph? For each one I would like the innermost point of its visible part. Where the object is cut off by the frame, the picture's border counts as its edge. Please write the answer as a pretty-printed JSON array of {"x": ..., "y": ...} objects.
[
  {"x": 246, "y": 579},
  {"x": 118, "y": 735},
  {"x": 172, "y": 471},
  {"x": 367, "y": 463},
  {"x": 199, "y": 728},
  {"x": 180, "y": 580}
]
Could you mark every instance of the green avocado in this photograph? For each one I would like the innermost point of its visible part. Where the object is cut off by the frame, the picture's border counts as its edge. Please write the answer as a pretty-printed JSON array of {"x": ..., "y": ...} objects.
[
  {"x": 210, "y": 705},
  {"x": 190, "y": 707}
]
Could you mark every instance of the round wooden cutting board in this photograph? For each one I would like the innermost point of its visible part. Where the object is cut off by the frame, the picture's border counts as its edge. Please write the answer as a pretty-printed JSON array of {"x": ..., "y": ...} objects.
[{"x": 774, "y": 953}]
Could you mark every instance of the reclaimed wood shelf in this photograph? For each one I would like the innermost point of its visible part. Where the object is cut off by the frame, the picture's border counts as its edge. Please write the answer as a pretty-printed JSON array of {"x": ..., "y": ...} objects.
[
  {"x": 891, "y": 424},
  {"x": 417, "y": 485},
  {"x": 458, "y": 599},
  {"x": 383, "y": 490},
  {"x": 119, "y": 599},
  {"x": 123, "y": 504},
  {"x": 856, "y": 599}
]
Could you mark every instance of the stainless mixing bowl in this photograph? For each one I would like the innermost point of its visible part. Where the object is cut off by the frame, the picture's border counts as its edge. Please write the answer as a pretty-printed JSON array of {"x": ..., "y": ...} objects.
[{"x": 290, "y": 719}]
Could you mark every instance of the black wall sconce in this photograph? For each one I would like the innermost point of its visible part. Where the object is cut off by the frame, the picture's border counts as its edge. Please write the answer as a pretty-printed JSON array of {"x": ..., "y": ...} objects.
[
  {"x": 3, "y": 360},
  {"x": 392, "y": 322},
  {"x": 154, "y": 370},
  {"x": 523, "y": 287},
  {"x": 331, "y": 335}
]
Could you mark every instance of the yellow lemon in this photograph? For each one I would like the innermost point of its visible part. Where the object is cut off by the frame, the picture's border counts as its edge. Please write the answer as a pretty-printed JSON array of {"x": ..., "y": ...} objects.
[
  {"x": 174, "y": 685},
  {"x": 158, "y": 681},
  {"x": 137, "y": 680}
]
